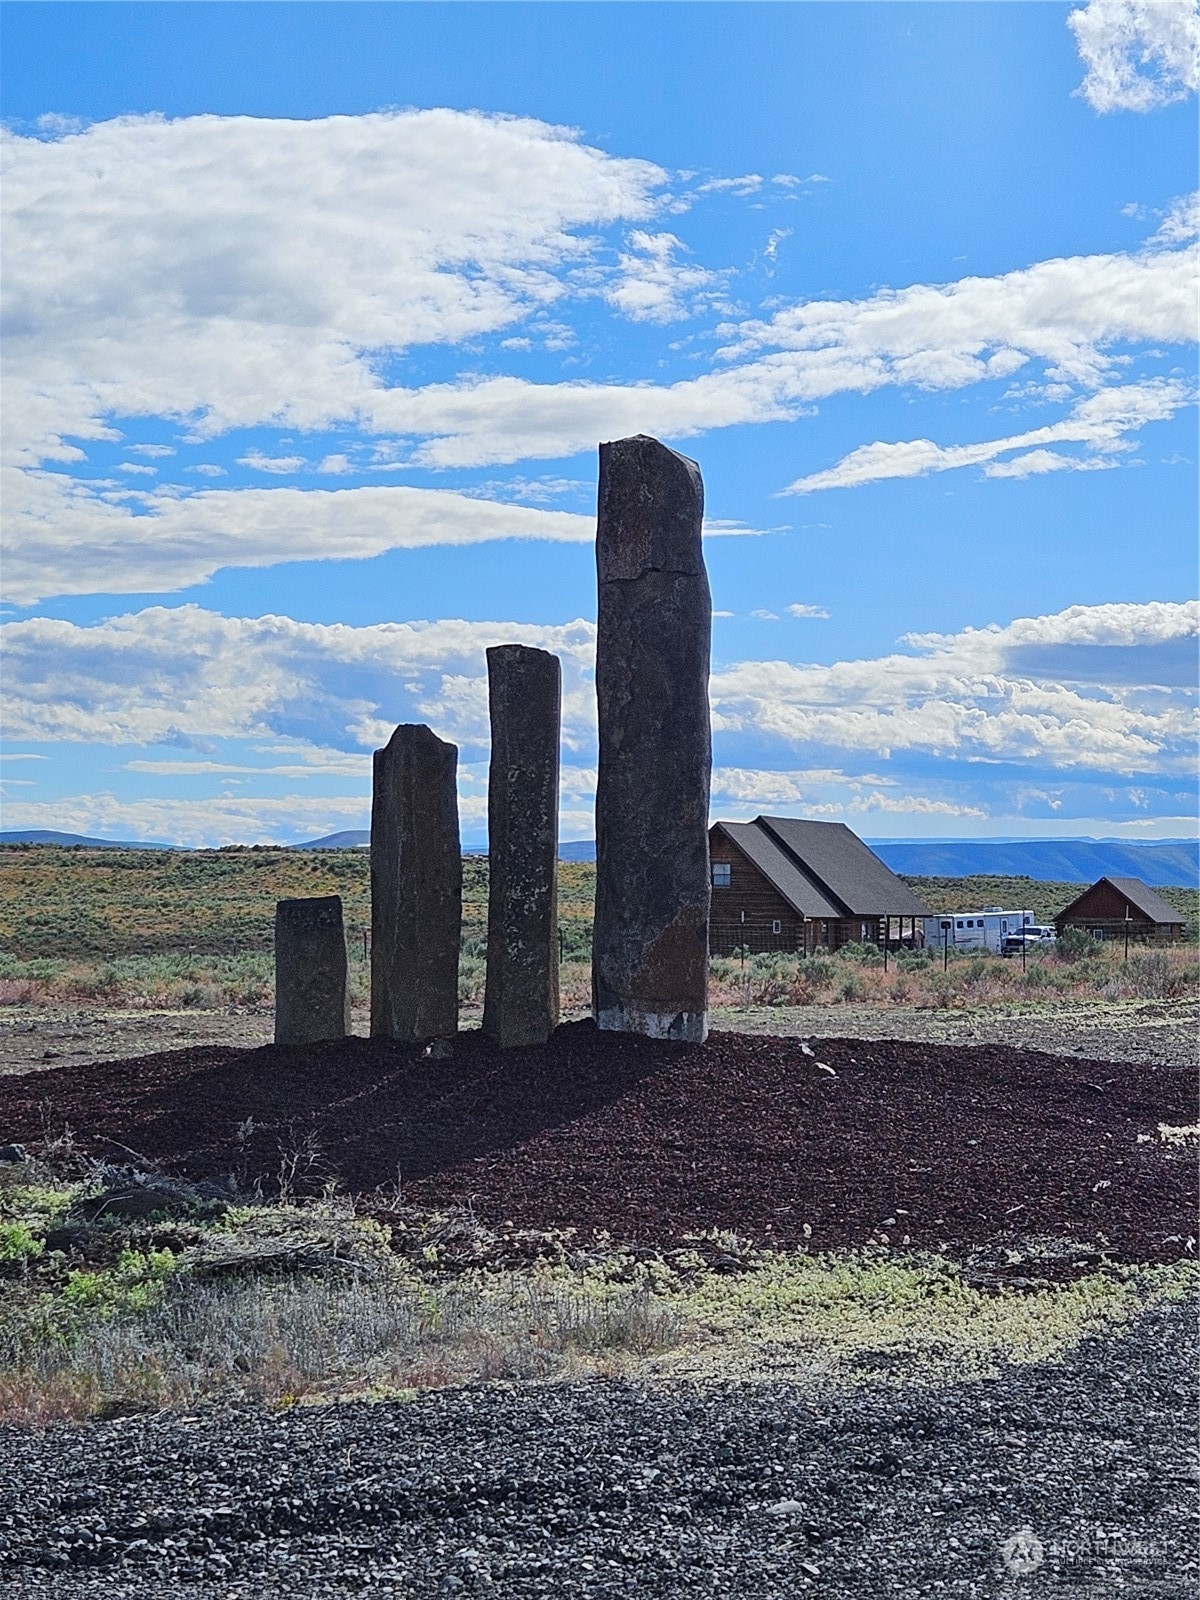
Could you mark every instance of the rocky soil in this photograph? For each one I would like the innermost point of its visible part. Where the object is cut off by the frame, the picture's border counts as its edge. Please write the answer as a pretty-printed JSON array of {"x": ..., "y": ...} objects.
[
  {"x": 865, "y": 1141},
  {"x": 1072, "y": 1479}
]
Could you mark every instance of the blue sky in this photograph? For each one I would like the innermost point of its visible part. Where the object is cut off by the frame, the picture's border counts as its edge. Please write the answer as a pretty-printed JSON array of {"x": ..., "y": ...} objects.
[{"x": 315, "y": 314}]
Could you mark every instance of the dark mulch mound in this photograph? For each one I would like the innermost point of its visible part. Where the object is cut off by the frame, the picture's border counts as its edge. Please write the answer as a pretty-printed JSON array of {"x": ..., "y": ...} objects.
[{"x": 652, "y": 1141}]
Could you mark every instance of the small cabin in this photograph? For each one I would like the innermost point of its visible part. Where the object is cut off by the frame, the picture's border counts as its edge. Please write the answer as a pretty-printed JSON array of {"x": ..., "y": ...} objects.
[
  {"x": 786, "y": 884},
  {"x": 1117, "y": 908}
]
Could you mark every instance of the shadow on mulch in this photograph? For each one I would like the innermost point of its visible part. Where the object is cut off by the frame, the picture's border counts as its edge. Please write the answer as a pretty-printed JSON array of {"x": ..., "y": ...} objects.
[{"x": 930, "y": 1145}]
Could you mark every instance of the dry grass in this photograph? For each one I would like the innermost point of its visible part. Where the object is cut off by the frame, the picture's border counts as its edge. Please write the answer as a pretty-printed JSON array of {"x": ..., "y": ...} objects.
[
  {"x": 208, "y": 1299},
  {"x": 856, "y": 975}
]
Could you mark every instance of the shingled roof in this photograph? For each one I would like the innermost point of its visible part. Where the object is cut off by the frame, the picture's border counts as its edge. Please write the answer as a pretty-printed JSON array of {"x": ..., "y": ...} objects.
[
  {"x": 1139, "y": 894},
  {"x": 822, "y": 869},
  {"x": 777, "y": 866}
]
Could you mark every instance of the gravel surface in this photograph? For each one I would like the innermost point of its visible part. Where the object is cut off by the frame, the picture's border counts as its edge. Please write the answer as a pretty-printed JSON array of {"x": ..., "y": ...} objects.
[
  {"x": 1156, "y": 1032},
  {"x": 921, "y": 1144},
  {"x": 615, "y": 1489},
  {"x": 34, "y": 1037}
]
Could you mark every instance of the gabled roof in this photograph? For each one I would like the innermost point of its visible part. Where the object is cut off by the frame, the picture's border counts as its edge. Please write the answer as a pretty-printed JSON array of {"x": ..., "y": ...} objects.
[
  {"x": 822, "y": 869},
  {"x": 841, "y": 864},
  {"x": 780, "y": 870},
  {"x": 1138, "y": 894}
]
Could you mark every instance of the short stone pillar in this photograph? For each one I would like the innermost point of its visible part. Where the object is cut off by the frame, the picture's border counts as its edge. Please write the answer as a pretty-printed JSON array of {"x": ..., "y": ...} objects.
[
  {"x": 654, "y": 616},
  {"x": 416, "y": 888},
  {"x": 525, "y": 698},
  {"x": 312, "y": 972}
]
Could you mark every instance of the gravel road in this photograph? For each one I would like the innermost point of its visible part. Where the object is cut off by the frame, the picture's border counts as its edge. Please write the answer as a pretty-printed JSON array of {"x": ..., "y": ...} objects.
[{"x": 648, "y": 1490}]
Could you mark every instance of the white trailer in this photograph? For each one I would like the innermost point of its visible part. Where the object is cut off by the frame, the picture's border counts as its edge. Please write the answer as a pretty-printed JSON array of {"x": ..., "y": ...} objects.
[{"x": 976, "y": 930}]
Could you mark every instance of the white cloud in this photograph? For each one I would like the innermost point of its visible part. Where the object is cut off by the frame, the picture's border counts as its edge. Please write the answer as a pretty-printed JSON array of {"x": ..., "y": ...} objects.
[
  {"x": 1139, "y": 54},
  {"x": 336, "y": 466},
  {"x": 275, "y": 258},
  {"x": 1181, "y": 223},
  {"x": 278, "y": 261},
  {"x": 71, "y": 537},
  {"x": 151, "y": 449},
  {"x": 766, "y": 616},
  {"x": 748, "y": 183},
  {"x": 1092, "y": 688},
  {"x": 279, "y": 465},
  {"x": 208, "y": 469},
  {"x": 193, "y": 823},
  {"x": 1100, "y": 423},
  {"x": 185, "y": 674},
  {"x": 1064, "y": 312},
  {"x": 1037, "y": 462},
  {"x": 139, "y": 468},
  {"x": 799, "y": 610},
  {"x": 68, "y": 539},
  {"x": 652, "y": 286},
  {"x": 1099, "y": 688}
]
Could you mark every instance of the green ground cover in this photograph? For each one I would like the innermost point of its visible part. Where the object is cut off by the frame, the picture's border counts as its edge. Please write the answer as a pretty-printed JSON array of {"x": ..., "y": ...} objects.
[
  {"x": 123, "y": 1290},
  {"x": 69, "y": 903}
]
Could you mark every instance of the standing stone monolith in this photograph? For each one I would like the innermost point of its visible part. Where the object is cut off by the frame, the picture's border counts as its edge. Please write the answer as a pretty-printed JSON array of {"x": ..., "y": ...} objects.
[
  {"x": 312, "y": 972},
  {"x": 416, "y": 888},
  {"x": 650, "y": 943},
  {"x": 525, "y": 699}
]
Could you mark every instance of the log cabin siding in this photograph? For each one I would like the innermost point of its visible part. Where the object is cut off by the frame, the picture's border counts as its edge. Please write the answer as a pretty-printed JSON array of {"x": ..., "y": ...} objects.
[
  {"x": 745, "y": 911},
  {"x": 1107, "y": 913}
]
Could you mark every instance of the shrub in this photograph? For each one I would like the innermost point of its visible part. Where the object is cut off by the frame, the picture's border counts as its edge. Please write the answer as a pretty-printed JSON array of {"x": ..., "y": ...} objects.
[
  {"x": 866, "y": 955},
  {"x": 1074, "y": 944},
  {"x": 810, "y": 978},
  {"x": 850, "y": 988}
]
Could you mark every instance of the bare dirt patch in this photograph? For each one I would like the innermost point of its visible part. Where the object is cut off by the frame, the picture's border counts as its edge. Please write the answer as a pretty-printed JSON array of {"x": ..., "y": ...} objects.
[{"x": 914, "y": 1144}]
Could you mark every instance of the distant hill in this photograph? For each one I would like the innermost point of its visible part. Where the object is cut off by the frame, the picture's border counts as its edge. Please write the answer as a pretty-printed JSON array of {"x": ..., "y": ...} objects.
[
  {"x": 67, "y": 840},
  {"x": 1161, "y": 862},
  {"x": 1165, "y": 861},
  {"x": 348, "y": 839},
  {"x": 359, "y": 838},
  {"x": 578, "y": 850}
]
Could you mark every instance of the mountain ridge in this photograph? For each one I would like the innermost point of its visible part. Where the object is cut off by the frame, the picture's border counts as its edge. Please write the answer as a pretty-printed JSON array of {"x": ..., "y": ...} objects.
[{"x": 1158, "y": 862}]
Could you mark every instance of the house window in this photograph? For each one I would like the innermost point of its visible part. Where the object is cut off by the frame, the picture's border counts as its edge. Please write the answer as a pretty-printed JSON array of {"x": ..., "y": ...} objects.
[
  {"x": 721, "y": 872},
  {"x": 776, "y": 926}
]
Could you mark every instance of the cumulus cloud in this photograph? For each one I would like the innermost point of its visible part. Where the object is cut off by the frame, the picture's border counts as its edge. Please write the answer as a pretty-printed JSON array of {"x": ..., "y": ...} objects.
[
  {"x": 233, "y": 270},
  {"x": 141, "y": 678},
  {"x": 1139, "y": 54},
  {"x": 282, "y": 267},
  {"x": 1099, "y": 688},
  {"x": 1101, "y": 423},
  {"x": 1094, "y": 688},
  {"x": 800, "y": 610}
]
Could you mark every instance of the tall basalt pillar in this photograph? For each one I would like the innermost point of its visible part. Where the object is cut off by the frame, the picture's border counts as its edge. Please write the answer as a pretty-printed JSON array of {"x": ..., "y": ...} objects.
[
  {"x": 312, "y": 971},
  {"x": 650, "y": 943},
  {"x": 525, "y": 700},
  {"x": 416, "y": 888}
]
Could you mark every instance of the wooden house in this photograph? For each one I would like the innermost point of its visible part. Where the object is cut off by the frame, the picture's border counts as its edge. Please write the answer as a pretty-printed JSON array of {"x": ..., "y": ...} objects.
[
  {"x": 780, "y": 883},
  {"x": 1115, "y": 907}
]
